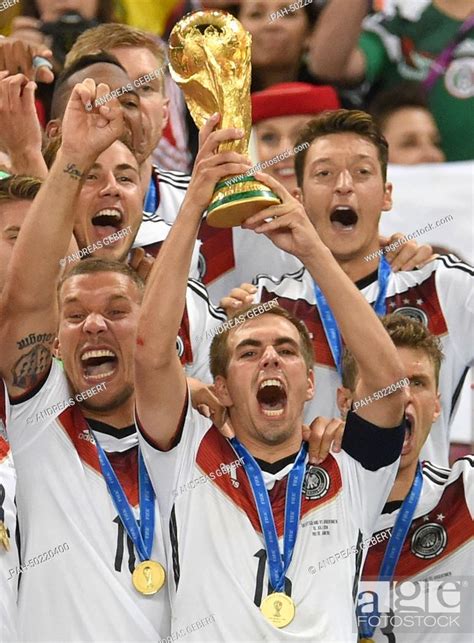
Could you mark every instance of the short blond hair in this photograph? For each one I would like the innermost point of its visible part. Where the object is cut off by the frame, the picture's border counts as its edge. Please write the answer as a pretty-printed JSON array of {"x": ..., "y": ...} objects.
[{"x": 111, "y": 35}]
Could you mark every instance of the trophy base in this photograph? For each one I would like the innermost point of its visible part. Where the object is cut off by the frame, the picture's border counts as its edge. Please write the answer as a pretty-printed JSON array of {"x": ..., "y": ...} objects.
[{"x": 232, "y": 203}]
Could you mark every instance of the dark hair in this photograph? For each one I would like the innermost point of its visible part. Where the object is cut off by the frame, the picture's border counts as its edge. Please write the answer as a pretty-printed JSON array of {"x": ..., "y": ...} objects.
[
  {"x": 340, "y": 121},
  {"x": 81, "y": 63},
  {"x": 404, "y": 332},
  {"x": 405, "y": 94},
  {"x": 219, "y": 352},
  {"x": 93, "y": 264}
]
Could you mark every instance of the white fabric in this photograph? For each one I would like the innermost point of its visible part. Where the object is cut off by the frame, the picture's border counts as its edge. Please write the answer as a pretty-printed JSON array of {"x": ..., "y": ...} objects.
[
  {"x": 77, "y": 595},
  {"x": 217, "y": 552}
]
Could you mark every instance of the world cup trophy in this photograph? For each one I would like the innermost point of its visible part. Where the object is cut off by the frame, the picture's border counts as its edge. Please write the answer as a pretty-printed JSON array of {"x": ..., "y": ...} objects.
[{"x": 209, "y": 55}]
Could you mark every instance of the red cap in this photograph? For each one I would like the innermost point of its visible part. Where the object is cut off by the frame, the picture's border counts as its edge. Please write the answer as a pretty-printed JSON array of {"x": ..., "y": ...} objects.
[{"x": 290, "y": 99}]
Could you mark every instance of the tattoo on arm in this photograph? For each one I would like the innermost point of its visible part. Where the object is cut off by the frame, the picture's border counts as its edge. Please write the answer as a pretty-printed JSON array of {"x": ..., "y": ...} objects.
[
  {"x": 28, "y": 371},
  {"x": 73, "y": 171}
]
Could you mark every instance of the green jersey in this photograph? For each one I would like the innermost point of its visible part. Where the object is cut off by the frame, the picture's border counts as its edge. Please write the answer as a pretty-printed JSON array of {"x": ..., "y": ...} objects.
[{"x": 405, "y": 45}]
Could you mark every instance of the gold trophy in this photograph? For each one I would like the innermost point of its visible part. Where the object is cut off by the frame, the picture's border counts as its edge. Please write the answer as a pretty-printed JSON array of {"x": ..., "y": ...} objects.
[{"x": 209, "y": 55}]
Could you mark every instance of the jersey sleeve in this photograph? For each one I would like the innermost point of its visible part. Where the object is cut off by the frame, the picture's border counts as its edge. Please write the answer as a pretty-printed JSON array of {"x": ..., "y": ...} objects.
[
  {"x": 167, "y": 468},
  {"x": 369, "y": 462},
  {"x": 204, "y": 318},
  {"x": 28, "y": 416},
  {"x": 455, "y": 288}
]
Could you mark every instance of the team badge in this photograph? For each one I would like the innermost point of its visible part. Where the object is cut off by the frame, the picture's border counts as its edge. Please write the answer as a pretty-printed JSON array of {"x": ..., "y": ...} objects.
[
  {"x": 316, "y": 483},
  {"x": 202, "y": 266},
  {"x": 429, "y": 540},
  {"x": 459, "y": 79},
  {"x": 414, "y": 313},
  {"x": 179, "y": 347}
]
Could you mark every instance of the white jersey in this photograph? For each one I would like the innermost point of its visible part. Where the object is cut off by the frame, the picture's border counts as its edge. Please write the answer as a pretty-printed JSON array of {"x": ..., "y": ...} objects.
[
  {"x": 231, "y": 256},
  {"x": 438, "y": 549},
  {"x": 8, "y": 559},
  {"x": 76, "y": 556},
  {"x": 440, "y": 295},
  {"x": 217, "y": 557},
  {"x": 198, "y": 326},
  {"x": 160, "y": 214}
]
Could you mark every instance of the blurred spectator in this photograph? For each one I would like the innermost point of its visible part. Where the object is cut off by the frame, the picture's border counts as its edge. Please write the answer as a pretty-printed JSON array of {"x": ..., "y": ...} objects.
[
  {"x": 279, "y": 44},
  {"x": 406, "y": 122},
  {"x": 429, "y": 41},
  {"x": 278, "y": 114},
  {"x": 58, "y": 23}
]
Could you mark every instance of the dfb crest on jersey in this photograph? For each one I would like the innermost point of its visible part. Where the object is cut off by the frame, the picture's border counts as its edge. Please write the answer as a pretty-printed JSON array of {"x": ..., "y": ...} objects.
[
  {"x": 429, "y": 540},
  {"x": 202, "y": 266},
  {"x": 316, "y": 483},
  {"x": 179, "y": 347},
  {"x": 414, "y": 313}
]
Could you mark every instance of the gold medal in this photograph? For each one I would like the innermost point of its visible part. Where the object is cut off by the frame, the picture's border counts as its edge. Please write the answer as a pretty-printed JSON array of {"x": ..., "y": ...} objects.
[
  {"x": 279, "y": 609},
  {"x": 148, "y": 577},
  {"x": 4, "y": 539},
  {"x": 366, "y": 641}
]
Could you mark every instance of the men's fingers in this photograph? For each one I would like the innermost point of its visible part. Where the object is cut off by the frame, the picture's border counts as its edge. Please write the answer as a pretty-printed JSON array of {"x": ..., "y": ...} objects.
[
  {"x": 207, "y": 128},
  {"x": 421, "y": 255},
  {"x": 314, "y": 435},
  {"x": 214, "y": 139},
  {"x": 272, "y": 183},
  {"x": 404, "y": 257},
  {"x": 136, "y": 257},
  {"x": 204, "y": 410},
  {"x": 327, "y": 439},
  {"x": 338, "y": 435}
]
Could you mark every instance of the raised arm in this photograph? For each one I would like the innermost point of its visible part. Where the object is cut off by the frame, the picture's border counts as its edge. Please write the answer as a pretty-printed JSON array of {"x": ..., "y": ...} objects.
[
  {"x": 333, "y": 52},
  {"x": 160, "y": 382},
  {"x": 28, "y": 307},
  {"x": 376, "y": 356}
]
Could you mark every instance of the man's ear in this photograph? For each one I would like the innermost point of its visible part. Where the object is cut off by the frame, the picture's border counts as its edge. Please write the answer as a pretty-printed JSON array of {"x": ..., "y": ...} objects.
[
  {"x": 53, "y": 128},
  {"x": 221, "y": 391},
  {"x": 56, "y": 348},
  {"x": 311, "y": 386},
  {"x": 437, "y": 408},
  {"x": 387, "y": 197},
  {"x": 166, "y": 112},
  {"x": 298, "y": 194},
  {"x": 344, "y": 400}
]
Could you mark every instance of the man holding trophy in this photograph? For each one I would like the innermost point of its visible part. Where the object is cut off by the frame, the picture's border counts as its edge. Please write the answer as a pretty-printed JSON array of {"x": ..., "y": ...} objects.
[{"x": 240, "y": 547}]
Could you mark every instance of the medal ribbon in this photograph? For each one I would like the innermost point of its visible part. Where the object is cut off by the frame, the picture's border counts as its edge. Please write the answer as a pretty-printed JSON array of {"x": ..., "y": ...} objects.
[
  {"x": 440, "y": 65},
  {"x": 397, "y": 538},
  {"x": 331, "y": 329},
  {"x": 141, "y": 536},
  {"x": 277, "y": 564},
  {"x": 151, "y": 199}
]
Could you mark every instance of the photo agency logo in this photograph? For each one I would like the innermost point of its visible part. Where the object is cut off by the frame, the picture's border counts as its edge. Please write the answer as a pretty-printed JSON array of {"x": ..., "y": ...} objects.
[
  {"x": 423, "y": 607},
  {"x": 7, "y": 4}
]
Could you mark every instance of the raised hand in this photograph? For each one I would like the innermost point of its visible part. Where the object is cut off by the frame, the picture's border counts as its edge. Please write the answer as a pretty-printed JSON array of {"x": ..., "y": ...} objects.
[
  {"x": 88, "y": 130},
  {"x": 211, "y": 166},
  {"x": 16, "y": 56},
  {"x": 405, "y": 254},
  {"x": 238, "y": 297},
  {"x": 287, "y": 224}
]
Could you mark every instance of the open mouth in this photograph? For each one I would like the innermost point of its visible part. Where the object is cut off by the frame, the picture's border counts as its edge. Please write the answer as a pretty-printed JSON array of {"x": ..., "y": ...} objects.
[
  {"x": 343, "y": 217},
  {"x": 285, "y": 172},
  {"x": 106, "y": 222},
  {"x": 408, "y": 441},
  {"x": 271, "y": 397},
  {"x": 99, "y": 364}
]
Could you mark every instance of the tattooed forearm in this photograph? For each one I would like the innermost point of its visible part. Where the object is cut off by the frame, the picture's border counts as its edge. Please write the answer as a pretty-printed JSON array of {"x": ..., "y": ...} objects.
[
  {"x": 32, "y": 339},
  {"x": 73, "y": 171},
  {"x": 29, "y": 369}
]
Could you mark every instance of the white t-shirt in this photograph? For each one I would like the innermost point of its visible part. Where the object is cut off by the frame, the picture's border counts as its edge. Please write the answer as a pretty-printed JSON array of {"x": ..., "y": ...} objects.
[
  {"x": 8, "y": 559},
  {"x": 77, "y": 558},
  {"x": 217, "y": 557},
  {"x": 440, "y": 295},
  {"x": 438, "y": 550}
]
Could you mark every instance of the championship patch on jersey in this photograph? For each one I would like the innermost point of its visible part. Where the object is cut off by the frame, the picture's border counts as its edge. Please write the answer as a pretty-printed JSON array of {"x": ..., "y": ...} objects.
[
  {"x": 316, "y": 483},
  {"x": 429, "y": 540},
  {"x": 414, "y": 313}
]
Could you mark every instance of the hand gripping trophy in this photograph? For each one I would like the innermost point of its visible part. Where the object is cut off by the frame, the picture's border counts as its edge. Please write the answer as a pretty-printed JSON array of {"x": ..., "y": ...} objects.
[{"x": 210, "y": 60}]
